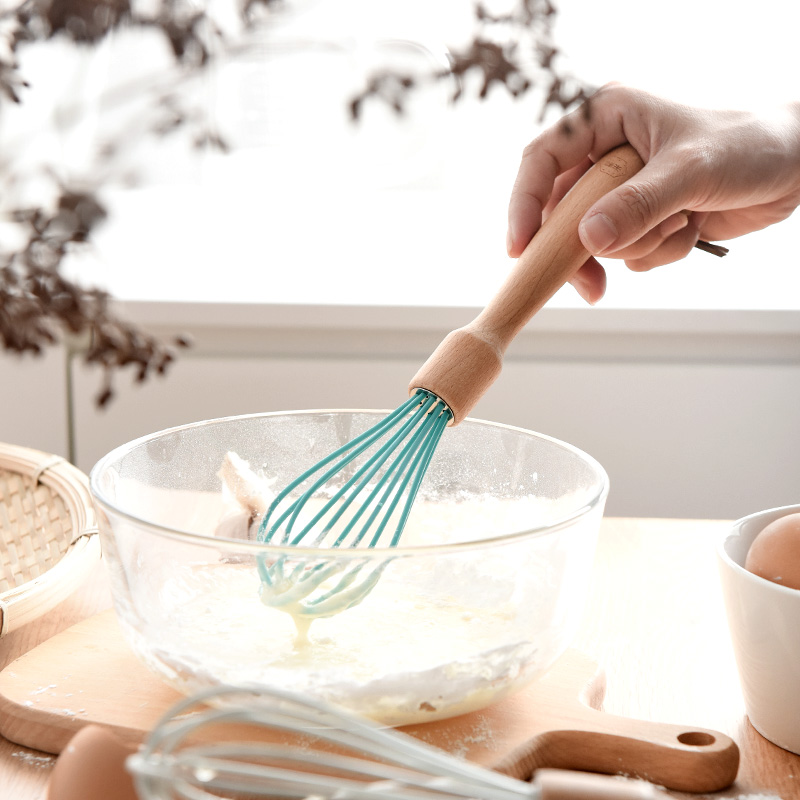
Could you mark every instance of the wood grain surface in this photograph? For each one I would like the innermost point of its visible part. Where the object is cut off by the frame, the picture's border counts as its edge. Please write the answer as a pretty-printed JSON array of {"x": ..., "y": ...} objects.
[
  {"x": 87, "y": 675},
  {"x": 654, "y": 622}
]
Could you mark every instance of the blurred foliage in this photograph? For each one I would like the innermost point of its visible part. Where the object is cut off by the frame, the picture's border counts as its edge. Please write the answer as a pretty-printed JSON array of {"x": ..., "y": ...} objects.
[{"x": 38, "y": 305}]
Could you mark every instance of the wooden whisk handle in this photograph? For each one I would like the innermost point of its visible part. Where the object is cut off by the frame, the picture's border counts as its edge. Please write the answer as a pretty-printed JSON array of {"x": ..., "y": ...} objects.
[{"x": 469, "y": 359}]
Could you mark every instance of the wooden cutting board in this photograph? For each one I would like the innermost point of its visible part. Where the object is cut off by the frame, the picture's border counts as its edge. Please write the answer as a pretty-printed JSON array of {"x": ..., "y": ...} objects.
[{"x": 88, "y": 675}]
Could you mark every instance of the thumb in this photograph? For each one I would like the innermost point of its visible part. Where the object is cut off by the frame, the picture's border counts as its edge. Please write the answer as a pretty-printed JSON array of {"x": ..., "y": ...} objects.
[{"x": 628, "y": 212}]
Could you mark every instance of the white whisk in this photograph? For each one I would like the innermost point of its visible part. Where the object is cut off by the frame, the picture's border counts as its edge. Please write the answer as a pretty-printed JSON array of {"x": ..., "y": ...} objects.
[{"x": 283, "y": 745}]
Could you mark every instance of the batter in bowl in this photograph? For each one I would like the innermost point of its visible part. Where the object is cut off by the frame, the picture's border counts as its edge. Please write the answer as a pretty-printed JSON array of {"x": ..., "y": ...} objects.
[{"x": 439, "y": 635}]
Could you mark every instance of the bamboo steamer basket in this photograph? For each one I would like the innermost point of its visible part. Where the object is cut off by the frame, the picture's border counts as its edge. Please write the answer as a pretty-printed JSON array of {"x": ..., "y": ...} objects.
[{"x": 49, "y": 533}]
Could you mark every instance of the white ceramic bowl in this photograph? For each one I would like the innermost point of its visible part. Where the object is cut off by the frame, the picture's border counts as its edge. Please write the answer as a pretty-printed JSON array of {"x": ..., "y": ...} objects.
[
  {"x": 764, "y": 620},
  {"x": 479, "y": 598}
]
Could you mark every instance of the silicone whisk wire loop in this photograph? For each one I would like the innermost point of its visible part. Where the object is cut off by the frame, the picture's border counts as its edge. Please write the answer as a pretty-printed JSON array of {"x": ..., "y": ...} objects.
[{"x": 340, "y": 503}]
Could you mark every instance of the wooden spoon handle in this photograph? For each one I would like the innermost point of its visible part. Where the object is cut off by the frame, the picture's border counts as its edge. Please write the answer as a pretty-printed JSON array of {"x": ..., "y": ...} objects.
[{"x": 469, "y": 359}]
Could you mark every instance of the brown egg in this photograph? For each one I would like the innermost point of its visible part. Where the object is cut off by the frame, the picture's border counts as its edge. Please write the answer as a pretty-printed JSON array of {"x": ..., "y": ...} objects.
[
  {"x": 775, "y": 552},
  {"x": 92, "y": 767}
]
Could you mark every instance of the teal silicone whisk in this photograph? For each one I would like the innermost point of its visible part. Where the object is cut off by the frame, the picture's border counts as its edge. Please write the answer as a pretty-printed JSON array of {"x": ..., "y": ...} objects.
[
  {"x": 396, "y": 455},
  {"x": 371, "y": 507}
]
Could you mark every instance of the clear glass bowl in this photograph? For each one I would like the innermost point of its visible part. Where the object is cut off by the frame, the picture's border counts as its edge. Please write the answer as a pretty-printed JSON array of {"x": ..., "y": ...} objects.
[{"x": 483, "y": 594}]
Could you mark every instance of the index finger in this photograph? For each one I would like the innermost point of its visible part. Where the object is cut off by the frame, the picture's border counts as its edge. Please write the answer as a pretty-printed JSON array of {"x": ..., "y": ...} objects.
[{"x": 561, "y": 148}]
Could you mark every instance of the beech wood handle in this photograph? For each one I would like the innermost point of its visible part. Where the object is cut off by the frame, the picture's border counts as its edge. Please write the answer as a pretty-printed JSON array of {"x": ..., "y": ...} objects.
[
  {"x": 469, "y": 359},
  {"x": 673, "y": 756}
]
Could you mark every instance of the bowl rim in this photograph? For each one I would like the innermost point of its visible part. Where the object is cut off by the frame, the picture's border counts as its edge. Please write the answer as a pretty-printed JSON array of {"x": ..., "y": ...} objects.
[
  {"x": 242, "y": 545},
  {"x": 735, "y": 531}
]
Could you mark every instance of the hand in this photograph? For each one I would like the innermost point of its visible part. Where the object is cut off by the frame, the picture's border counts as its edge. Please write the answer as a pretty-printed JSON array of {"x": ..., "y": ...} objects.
[{"x": 708, "y": 174}]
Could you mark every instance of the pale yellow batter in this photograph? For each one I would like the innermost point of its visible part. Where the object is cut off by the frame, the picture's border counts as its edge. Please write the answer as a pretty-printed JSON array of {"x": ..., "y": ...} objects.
[{"x": 440, "y": 634}]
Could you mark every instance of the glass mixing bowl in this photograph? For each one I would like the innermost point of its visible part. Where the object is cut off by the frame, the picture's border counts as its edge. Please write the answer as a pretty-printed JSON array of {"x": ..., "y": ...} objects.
[{"x": 482, "y": 595}]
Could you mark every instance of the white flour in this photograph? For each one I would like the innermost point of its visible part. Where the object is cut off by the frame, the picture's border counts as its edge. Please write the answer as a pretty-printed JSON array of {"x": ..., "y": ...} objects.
[
  {"x": 40, "y": 762},
  {"x": 758, "y": 797}
]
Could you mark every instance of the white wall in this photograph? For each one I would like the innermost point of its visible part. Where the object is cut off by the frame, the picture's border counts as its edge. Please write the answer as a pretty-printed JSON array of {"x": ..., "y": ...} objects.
[
  {"x": 692, "y": 414},
  {"x": 34, "y": 410}
]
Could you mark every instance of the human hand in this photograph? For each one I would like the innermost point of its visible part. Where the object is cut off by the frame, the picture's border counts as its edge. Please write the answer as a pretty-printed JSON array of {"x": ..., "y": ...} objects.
[{"x": 708, "y": 174}]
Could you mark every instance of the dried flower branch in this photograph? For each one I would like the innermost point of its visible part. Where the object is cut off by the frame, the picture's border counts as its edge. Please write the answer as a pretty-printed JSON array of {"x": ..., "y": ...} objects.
[
  {"x": 36, "y": 301},
  {"x": 38, "y": 304},
  {"x": 514, "y": 51}
]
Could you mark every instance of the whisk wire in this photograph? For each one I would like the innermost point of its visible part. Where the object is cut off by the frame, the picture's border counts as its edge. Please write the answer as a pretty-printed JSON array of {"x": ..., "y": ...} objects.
[
  {"x": 408, "y": 769},
  {"x": 357, "y": 445},
  {"x": 362, "y": 478},
  {"x": 413, "y": 453},
  {"x": 229, "y": 756},
  {"x": 369, "y": 471},
  {"x": 421, "y": 463},
  {"x": 356, "y": 594},
  {"x": 355, "y": 777},
  {"x": 393, "y": 470}
]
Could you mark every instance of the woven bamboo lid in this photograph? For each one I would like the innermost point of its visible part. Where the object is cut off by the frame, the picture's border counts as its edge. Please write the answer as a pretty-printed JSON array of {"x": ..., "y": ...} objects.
[{"x": 49, "y": 533}]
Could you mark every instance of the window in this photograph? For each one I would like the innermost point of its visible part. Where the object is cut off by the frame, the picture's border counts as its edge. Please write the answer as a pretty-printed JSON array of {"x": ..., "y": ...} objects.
[{"x": 411, "y": 210}]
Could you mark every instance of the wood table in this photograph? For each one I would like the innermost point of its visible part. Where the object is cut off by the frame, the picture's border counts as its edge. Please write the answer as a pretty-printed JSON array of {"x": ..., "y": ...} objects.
[{"x": 654, "y": 621}]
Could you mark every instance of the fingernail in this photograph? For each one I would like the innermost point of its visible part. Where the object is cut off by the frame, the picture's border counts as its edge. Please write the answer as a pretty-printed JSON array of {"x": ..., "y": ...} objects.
[
  {"x": 509, "y": 241},
  {"x": 597, "y": 233}
]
